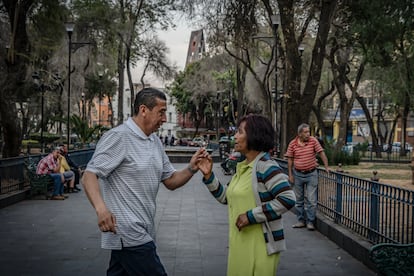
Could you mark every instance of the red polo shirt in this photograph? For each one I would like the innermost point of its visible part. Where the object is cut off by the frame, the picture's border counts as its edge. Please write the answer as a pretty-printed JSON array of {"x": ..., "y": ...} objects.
[{"x": 304, "y": 156}]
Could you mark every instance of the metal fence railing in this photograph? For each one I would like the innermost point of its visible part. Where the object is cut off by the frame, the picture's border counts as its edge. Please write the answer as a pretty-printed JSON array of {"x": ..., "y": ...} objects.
[
  {"x": 385, "y": 156},
  {"x": 13, "y": 174},
  {"x": 378, "y": 212}
]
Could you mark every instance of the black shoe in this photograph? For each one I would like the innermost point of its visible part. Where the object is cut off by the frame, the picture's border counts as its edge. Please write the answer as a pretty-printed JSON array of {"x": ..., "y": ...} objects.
[{"x": 77, "y": 189}]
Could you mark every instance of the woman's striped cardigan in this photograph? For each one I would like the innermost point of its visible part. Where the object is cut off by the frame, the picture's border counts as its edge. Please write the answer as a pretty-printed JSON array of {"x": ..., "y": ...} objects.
[{"x": 273, "y": 196}]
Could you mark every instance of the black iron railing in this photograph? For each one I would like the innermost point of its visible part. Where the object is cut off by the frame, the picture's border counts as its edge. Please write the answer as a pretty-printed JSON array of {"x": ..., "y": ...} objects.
[
  {"x": 13, "y": 176},
  {"x": 378, "y": 212}
]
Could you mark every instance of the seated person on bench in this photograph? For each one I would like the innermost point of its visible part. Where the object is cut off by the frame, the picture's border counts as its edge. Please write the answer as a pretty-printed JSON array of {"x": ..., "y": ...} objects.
[
  {"x": 68, "y": 174},
  {"x": 50, "y": 164},
  {"x": 73, "y": 166}
]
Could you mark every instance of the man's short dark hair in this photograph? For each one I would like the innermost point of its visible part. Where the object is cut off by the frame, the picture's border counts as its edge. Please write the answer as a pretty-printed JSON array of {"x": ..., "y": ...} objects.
[
  {"x": 260, "y": 132},
  {"x": 148, "y": 97}
]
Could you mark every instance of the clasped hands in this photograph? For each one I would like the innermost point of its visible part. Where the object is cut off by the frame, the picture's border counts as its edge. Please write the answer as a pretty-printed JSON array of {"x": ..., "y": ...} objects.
[{"x": 202, "y": 161}]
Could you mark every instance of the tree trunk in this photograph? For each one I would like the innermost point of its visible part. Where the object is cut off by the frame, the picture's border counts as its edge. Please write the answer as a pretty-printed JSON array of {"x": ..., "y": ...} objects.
[
  {"x": 130, "y": 82},
  {"x": 374, "y": 139},
  {"x": 406, "y": 107},
  {"x": 121, "y": 66},
  {"x": 345, "y": 106},
  {"x": 241, "y": 72},
  {"x": 297, "y": 100},
  {"x": 13, "y": 81}
]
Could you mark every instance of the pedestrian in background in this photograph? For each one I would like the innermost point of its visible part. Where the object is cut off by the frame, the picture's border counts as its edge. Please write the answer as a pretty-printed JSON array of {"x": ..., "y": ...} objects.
[
  {"x": 129, "y": 164},
  {"x": 257, "y": 196},
  {"x": 302, "y": 163}
]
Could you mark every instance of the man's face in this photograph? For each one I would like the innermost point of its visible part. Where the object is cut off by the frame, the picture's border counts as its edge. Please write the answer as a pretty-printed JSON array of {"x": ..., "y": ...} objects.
[
  {"x": 156, "y": 117},
  {"x": 55, "y": 154},
  {"x": 305, "y": 134}
]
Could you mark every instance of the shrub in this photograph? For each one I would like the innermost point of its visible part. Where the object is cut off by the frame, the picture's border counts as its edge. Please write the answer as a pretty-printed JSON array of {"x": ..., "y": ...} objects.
[
  {"x": 335, "y": 157},
  {"x": 47, "y": 137},
  {"x": 363, "y": 148}
]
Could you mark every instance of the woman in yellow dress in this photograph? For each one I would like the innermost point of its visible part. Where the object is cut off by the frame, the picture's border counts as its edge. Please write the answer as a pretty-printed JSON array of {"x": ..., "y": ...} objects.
[{"x": 257, "y": 196}]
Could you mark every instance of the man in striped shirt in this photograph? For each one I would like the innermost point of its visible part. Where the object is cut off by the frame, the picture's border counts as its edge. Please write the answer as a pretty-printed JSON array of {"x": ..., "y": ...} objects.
[
  {"x": 302, "y": 163},
  {"x": 129, "y": 164}
]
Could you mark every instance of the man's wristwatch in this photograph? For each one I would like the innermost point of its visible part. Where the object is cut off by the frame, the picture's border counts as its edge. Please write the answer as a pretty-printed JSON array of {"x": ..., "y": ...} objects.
[{"x": 192, "y": 171}]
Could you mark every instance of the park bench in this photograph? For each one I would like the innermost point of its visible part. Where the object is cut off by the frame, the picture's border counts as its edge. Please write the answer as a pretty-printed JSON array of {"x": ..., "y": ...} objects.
[
  {"x": 393, "y": 259},
  {"x": 39, "y": 184}
]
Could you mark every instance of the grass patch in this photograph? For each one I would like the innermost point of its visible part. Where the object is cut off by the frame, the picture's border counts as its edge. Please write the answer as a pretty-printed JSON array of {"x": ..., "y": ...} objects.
[{"x": 385, "y": 171}]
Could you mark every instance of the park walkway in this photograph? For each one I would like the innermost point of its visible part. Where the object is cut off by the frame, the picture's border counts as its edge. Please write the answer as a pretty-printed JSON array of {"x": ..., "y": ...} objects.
[{"x": 44, "y": 237}]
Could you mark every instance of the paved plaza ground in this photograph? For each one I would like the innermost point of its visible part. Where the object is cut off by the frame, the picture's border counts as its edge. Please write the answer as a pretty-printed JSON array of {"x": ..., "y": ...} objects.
[{"x": 44, "y": 237}]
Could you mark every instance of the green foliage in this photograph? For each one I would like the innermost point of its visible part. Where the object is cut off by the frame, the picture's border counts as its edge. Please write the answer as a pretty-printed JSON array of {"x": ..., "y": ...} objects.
[
  {"x": 25, "y": 143},
  {"x": 203, "y": 88},
  {"x": 46, "y": 30},
  {"x": 48, "y": 138},
  {"x": 394, "y": 20},
  {"x": 99, "y": 86},
  {"x": 335, "y": 157},
  {"x": 82, "y": 130},
  {"x": 183, "y": 96},
  {"x": 362, "y": 148}
]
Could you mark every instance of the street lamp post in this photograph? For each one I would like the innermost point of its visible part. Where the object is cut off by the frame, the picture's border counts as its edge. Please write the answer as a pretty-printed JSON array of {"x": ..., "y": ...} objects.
[
  {"x": 69, "y": 29},
  {"x": 83, "y": 107},
  {"x": 69, "y": 26},
  {"x": 275, "y": 18},
  {"x": 100, "y": 73}
]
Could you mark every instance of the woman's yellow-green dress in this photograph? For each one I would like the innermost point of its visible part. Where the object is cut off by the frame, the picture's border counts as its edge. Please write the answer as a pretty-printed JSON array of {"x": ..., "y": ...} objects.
[{"x": 247, "y": 248}]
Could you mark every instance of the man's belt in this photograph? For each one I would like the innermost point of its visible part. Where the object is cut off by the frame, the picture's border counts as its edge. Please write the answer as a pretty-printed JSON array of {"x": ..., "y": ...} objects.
[{"x": 306, "y": 171}]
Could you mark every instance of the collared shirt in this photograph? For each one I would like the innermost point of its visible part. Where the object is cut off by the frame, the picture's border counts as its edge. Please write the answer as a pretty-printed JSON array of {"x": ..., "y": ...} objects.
[
  {"x": 304, "y": 154},
  {"x": 64, "y": 166},
  {"x": 46, "y": 165},
  {"x": 130, "y": 166}
]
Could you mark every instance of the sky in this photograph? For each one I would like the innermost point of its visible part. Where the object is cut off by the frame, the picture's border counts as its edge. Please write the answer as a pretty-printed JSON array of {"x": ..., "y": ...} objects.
[{"x": 177, "y": 41}]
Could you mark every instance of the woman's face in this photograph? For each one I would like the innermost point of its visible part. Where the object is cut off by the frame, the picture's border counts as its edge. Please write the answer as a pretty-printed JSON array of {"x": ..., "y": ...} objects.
[{"x": 240, "y": 139}]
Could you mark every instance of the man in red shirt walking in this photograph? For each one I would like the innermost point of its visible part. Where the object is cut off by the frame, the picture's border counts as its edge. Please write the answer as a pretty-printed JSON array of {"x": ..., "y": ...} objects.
[{"x": 302, "y": 163}]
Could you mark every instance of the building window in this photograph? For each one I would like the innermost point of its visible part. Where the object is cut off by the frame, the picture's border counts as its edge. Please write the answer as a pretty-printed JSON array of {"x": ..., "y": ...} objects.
[{"x": 169, "y": 117}]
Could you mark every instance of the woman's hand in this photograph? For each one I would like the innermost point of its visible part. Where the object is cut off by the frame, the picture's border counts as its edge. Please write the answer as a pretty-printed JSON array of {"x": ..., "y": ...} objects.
[
  {"x": 242, "y": 221},
  {"x": 206, "y": 166},
  {"x": 200, "y": 154}
]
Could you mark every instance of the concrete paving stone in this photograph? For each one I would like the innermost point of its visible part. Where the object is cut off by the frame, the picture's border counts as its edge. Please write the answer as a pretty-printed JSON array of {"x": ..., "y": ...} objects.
[
  {"x": 213, "y": 265},
  {"x": 188, "y": 266},
  {"x": 167, "y": 252},
  {"x": 168, "y": 263}
]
